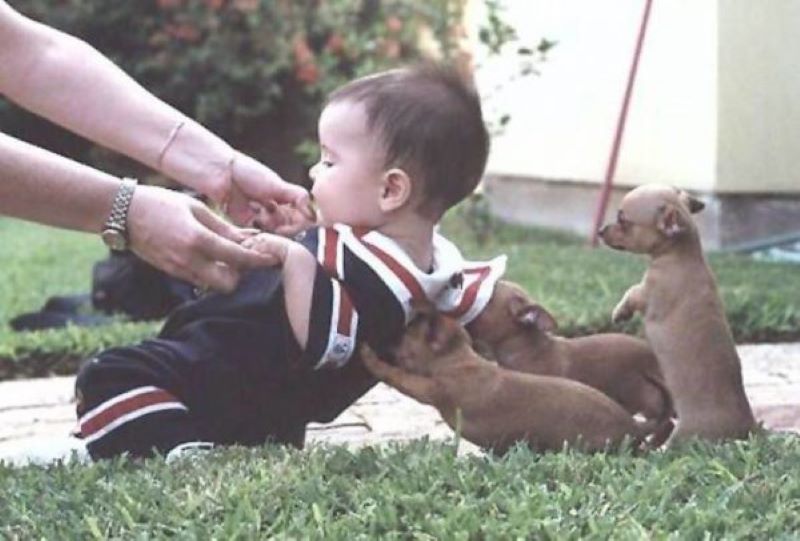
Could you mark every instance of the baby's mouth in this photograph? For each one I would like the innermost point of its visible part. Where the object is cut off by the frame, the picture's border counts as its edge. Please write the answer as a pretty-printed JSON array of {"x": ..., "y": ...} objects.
[{"x": 313, "y": 210}]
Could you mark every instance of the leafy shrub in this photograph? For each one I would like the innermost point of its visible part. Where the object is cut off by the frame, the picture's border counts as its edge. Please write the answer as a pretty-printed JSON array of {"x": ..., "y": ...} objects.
[{"x": 254, "y": 71}]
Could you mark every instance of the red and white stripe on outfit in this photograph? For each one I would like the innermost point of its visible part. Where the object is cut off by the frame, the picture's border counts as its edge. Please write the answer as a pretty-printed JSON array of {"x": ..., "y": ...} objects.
[
  {"x": 344, "y": 318},
  {"x": 457, "y": 287},
  {"x": 124, "y": 408},
  {"x": 329, "y": 252}
]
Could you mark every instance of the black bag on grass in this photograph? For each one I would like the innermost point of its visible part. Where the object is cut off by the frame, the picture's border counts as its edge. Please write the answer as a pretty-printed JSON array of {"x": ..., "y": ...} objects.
[
  {"x": 124, "y": 283},
  {"x": 121, "y": 284}
]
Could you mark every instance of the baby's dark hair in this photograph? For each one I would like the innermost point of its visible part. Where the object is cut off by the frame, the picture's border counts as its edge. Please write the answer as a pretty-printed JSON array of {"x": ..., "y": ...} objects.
[{"x": 430, "y": 122}]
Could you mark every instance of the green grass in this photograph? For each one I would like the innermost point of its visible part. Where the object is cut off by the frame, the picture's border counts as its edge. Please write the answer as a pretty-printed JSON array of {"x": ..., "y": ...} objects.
[
  {"x": 420, "y": 490},
  {"x": 578, "y": 285},
  {"x": 37, "y": 263}
]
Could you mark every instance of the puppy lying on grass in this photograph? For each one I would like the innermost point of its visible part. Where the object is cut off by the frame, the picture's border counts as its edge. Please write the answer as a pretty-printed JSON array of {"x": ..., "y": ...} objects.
[
  {"x": 517, "y": 332},
  {"x": 683, "y": 315},
  {"x": 495, "y": 408}
]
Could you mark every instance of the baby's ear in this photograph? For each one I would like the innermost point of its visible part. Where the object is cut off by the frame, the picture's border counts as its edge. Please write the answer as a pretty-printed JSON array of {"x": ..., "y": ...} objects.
[{"x": 396, "y": 189}]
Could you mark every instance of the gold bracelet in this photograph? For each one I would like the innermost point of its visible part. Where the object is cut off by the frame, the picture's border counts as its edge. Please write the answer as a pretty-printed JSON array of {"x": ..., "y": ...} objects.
[{"x": 172, "y": 136}]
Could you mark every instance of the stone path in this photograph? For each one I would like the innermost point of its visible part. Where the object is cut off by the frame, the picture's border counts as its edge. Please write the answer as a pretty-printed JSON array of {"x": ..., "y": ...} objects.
[{"x": 36, "y": 416}]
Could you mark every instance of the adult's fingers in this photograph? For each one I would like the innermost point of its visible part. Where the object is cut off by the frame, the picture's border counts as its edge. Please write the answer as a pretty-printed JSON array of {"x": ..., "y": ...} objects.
[
  {"x": 216, "y": 244},
  {"x": 261, "y": 184},
  {"x": 238, "y": 207},
  {"x": 220, "y": 226},
  {"x": 307, "y": 207},
  {"x": 214, "y": 275}
]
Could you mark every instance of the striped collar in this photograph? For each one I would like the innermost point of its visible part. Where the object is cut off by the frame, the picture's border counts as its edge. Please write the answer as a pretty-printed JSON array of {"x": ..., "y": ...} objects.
[{"x": 457, "y": 287}]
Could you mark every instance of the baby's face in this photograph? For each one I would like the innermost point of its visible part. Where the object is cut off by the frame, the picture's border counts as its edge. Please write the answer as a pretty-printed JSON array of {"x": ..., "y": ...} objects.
[{"x": 347, "y": 178}]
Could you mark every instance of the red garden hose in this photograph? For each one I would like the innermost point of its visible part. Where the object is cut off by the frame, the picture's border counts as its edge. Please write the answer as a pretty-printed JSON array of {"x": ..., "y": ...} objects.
[{"x": 602, "y": 203}]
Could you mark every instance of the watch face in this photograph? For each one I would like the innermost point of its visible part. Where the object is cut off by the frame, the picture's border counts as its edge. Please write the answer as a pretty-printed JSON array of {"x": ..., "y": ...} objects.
[{"x": 114, "y": 239}]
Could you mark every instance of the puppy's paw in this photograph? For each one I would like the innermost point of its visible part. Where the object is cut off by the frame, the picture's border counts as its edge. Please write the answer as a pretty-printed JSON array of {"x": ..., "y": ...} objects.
[
  {"x": 622, "y": 312},
  {"x": 371, "y": 361}
]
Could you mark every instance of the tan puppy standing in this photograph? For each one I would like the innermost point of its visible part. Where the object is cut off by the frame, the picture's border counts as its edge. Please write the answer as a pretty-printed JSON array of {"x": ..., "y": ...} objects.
[
  {"x": 684, "y": 318},
  {"x": 518, "y": 332},
  {"x": 493, "y": 407}
]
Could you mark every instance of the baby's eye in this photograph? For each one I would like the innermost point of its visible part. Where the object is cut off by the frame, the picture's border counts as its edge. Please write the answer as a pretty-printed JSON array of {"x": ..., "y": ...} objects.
[{"x": 324, "y": 161}]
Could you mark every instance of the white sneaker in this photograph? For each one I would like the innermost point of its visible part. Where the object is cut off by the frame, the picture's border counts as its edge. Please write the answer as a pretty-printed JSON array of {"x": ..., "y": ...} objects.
[{"x": 190, "y": 449}]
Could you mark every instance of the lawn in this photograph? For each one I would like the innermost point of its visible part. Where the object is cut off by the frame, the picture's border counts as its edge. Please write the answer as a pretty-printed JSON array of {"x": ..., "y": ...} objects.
[
  {"x": 39, "y": 262},
  {"x": 417, "y": 490},
  {"x": 577, "y": 284}
]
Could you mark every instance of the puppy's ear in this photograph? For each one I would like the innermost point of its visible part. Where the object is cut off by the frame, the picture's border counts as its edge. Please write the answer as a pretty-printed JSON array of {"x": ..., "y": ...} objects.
[
  {"x": 695, "y": 205},
  {"x": 434, "y": 331},
  {"x": 692, "y": 203},
  {"x": 532, "y": 316},
  {"x": 671, "y": 222},
  {"x": 423, "y": 306},
  {"x": 442, "y": 333}
]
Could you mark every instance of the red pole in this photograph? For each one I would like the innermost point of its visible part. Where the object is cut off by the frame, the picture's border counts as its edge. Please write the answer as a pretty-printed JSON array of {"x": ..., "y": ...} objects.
[{"x": 602, "y": 204}]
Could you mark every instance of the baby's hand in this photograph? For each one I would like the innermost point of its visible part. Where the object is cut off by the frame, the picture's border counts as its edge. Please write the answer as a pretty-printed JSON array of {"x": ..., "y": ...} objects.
[
  {"x": 274, "y": 247},
  {"x": 286, "y": 220}
]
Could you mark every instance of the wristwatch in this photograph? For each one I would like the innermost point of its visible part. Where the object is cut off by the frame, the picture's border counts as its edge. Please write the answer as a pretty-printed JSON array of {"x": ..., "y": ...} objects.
[{"x": 115, "y": 230}]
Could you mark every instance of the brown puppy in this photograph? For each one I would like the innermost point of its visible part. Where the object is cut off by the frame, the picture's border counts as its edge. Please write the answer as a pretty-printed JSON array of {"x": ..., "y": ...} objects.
[
  {"x": 493, "y": 407},
  {"x": 517, "y": 332},
  {"x": 684, "y": 319}
]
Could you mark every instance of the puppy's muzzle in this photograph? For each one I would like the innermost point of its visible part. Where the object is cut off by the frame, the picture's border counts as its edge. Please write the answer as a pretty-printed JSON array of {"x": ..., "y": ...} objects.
[{"x": 605, "y": 234}]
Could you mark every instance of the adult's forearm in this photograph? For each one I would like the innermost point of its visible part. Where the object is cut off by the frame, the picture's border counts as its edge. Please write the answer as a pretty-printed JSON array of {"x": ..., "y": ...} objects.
[
  {"x": 40, "y": 186},
  {"x": 70, "y": 83}
]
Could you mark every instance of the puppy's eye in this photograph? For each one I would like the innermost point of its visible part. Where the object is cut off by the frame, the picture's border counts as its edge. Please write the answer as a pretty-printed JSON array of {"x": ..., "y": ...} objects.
[{"x": 622, "y": 221}]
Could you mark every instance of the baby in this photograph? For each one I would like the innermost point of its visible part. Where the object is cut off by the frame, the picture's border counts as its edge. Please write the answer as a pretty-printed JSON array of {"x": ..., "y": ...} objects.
[{"x": 398, "y": 149}]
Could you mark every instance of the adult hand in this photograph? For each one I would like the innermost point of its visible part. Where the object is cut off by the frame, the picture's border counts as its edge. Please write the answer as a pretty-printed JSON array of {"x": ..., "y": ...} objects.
[
  {"x": 183, "y": 237},
  {"x": 285, "y": 220},
  {"x": 254, "y": 182},
  {"x": 274, "y": 247}
]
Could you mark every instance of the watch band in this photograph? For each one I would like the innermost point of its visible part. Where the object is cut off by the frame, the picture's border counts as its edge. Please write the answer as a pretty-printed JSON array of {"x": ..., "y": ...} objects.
[
  {"x": 118, "y": 218},
  {"x": 115, "y": 230}
]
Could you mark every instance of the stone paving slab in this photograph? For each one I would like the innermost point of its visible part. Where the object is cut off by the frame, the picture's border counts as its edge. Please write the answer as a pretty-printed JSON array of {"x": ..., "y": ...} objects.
[{"x": 37, "y": 416}]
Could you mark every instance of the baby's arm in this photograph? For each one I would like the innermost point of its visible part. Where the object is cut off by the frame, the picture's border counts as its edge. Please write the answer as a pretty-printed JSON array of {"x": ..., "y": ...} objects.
[{"x": 299, "y": 269}]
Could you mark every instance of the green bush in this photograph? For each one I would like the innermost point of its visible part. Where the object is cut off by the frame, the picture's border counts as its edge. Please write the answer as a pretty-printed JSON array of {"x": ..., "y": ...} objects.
[{"x": 254, "y": 71}]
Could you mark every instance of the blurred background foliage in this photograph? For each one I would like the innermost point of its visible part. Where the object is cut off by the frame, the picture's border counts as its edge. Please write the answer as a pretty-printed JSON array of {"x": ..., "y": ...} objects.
[{"x": 256, "y": 72}]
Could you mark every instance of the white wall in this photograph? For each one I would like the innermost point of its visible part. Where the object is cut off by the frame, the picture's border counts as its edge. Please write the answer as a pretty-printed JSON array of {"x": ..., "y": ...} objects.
[
  {"x": 714, "y": 106},
  {"x": 759, "y": 99}
]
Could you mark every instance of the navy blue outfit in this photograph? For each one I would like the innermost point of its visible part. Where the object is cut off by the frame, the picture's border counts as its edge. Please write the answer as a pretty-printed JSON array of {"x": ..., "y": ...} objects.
[{"x": 227, "y": 369}]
